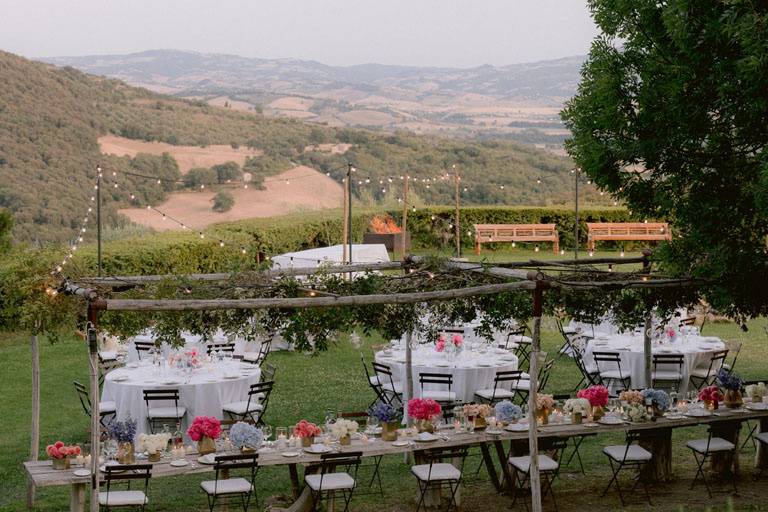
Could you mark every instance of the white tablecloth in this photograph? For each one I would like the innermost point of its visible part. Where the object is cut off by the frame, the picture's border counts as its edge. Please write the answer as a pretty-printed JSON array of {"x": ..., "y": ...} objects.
[
  {"x": 471, "y": 370},
  {"x": 202, "y": 395},
  {"x": 192, "y": 341},
  {"x": 696, "y": 350}
]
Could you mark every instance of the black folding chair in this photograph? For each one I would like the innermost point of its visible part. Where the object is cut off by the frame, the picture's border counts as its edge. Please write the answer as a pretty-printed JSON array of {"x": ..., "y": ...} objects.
[
  {"x": 549, "y": 468},
  {"x": 361, "y": 418},
  {"x": 256, "y": 404},
  {"x": 224, "y": 486},
  {"x": 142, "y": 347},
  {"x": 700, "y": 377},
  {"x": 268, "y": 371},
  {"x": 503, "y": 385},
  {"x": 228, "y": 348},
  {"x": 667, "y": 368},
  {"x": 163, "y": 415},
  {"x": 436, "y": 473},
  {"x": 391, "y": 391},
  {"x": 125, "y": 498},
  {"x": 373, "y": 382},
  {"x": 106, "y": 409},
  {"x": 329, "y": 481},
  {"x": 628, "y": 456},
  {"x": 703, "y": 449},
  {"x": 612, "y": 374},
  {"x": 445, "y": 397}
]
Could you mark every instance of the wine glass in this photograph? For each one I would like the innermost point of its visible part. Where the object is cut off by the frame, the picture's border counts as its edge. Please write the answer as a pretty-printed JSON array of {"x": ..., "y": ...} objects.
[
  {"x": 267, "y": 431},
  {"x": 370, "y": 424}
]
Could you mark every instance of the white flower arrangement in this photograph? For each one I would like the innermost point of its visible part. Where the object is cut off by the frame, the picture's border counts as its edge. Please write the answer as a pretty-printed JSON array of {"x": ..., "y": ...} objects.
[
  {"x": 576, "y": 405},
  {"x": 343, "y": 428},
  {"x": 636, "y": 412},
  {"x": 153, "y": 443},
  {"x": 754, "y": 390}
]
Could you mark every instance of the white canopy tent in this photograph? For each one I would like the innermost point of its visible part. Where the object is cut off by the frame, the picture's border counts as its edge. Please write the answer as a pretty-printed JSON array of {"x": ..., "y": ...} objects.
[{"x": 333, "y": 255}]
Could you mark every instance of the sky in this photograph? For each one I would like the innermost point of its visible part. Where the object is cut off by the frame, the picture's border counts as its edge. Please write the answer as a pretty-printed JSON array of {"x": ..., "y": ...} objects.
[{"x": 453, "y": 33}]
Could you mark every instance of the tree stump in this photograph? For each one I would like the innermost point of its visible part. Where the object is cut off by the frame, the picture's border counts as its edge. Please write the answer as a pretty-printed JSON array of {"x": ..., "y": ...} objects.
[
  {"x": 659, "y": 443},
  {"x": 761, "y": 456},
  {"x": 725, "y": 464}
]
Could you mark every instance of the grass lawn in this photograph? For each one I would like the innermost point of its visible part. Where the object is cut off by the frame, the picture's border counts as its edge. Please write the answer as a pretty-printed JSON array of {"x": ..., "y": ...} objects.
[{"x": 306, "y": 388}]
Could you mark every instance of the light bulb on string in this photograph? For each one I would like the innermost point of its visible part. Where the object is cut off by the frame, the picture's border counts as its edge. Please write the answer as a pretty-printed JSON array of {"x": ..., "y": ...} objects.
[
  {"x": 513, "y": 244},
  {"x": 536, "y": 249},
  {"x": 562, "y": 251},
  {"x": 591, "y": 254},
  {"x": 221, "y": 243}
]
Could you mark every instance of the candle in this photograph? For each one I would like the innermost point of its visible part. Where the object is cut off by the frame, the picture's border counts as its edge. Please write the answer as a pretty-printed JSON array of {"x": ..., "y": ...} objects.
[
  {"x": 457, "y": 426},
  {"x": 87, "y": 461},
  {"x": 79, "y": 460}
]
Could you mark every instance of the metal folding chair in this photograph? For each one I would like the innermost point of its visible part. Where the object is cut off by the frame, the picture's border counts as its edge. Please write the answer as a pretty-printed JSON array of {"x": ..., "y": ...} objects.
[
  {"x": 361, "y": 418},
  {"x": 628, "y": 456},
  {"x": 163, "y": 415},
  {"x": 224, "y": 486},
  {"x": 125, "y": 498},
  {"x": 700, "y": 377},
  {"x": 142, "y": 347},
  {"x": 256, "y": 404},
  {"x": 667, "y": 368},
  {"x": 702, "y": 450},
  {"x": 106, "y": 409},
  {"x": 549, "y": 467},
  {"x": 614, "y": 373},
  {"x": 329, "y": 481},
  {"x": 436, "y": 473},
  {"x": 391, "y": 390}
]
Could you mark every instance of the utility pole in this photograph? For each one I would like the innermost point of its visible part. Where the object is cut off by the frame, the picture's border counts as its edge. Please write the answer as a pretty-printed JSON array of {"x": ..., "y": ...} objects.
[
  {"x": 405, "y": 217},
  {"x": 457, "y": 180},
  {"x": 98, "y": 218},
  {"x": 577, "y": 173}
]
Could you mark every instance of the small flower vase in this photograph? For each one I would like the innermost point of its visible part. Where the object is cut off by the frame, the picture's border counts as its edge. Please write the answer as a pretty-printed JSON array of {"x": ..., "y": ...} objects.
[
  {"x": 597, "y": 412},
  {"x": 733, "y": 398},
  {"x": 480, "y": 423},
  {"x": 125, "y": 453},
  {"x": 756, "y": 399},
  {"x": 62, "y": 463},
  {"x": 711, "y": 405},
  {"x": 424, "y": 426},
  {"x": 576, "y": 418},
  {"x": 153, "y": 457},
  {"x": 542, "y": 416},
  {"x": 345, "y": 440},
  {"x": 389, "y": 431},
  {"x": 306, "y": 442},
  {"x": 206, "y": 445},
  {"x": 246, "y": 450},
  {"x": 657, "y": 413}
]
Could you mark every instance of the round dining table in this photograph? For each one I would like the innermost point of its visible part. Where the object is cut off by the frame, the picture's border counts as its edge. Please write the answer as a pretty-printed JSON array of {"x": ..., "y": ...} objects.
[
  {"x": 696, "y": 350},
  {"x": 202, "y": 392},
  {"x": 472, "y": 370}
]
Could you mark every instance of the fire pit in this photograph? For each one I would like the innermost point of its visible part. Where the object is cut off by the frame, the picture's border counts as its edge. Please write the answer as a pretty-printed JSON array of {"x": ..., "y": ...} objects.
[{"x": 384, "y": 230}]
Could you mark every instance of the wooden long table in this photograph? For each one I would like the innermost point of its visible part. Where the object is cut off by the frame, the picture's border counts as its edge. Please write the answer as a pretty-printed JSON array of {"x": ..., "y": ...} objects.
[{"x": 658, "y": 434}]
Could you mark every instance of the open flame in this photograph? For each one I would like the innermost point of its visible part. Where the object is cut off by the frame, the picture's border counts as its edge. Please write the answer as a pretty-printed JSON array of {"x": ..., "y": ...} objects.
[{"x": 384, "y": 225}]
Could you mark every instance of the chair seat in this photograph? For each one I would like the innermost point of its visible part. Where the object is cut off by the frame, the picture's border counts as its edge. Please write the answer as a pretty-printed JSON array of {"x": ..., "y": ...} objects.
[
  {"x": 440, "y": 471},
  {"x": 393, "y": 387},
  {"x": 243, "y": 407},
  {"x": 108, "y": 407},
  {"x": 522, "y": 385},
  {"x": 227, "y": 486},
  {"x": 613, "y": 374},
  {"x": 108, "y": 355},
  {"x": 488, "y": 393},
  {"x": 166, "y": 412},
  {"x": 716, "y": 444},
  {"x": 526, "y": 340},
  {"x": 439, "y": 396},
  {"x": 330, "y": 482},
  {"x": 122, "y": 498},
  {"x": 762, "y": 437},
  {"x": 634, "y": 454},
  {"x": 703, "y": 373},
  {"x": 250, "y": 357},
  {"x": 667, "y": 375},
  {"x": 523, "y": 464}
]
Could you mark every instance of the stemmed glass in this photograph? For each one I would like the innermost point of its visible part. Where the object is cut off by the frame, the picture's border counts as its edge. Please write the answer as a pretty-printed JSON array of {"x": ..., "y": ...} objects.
[
  {"x": 267, "y": 431},
  {"x": 370, "y": 424}
]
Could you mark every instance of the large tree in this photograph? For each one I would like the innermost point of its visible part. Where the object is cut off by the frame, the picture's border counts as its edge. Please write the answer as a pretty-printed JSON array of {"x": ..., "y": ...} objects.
[{"x": 672, "y": 117}]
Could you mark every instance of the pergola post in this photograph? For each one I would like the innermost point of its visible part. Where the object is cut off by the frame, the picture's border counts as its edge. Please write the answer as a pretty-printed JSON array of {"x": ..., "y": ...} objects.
[
  {"x": 34, "y": 444},
  {"x": 647, "y": 328},
  {"x": 93, "y": 347},
  {"x": 533, "y": 446}
]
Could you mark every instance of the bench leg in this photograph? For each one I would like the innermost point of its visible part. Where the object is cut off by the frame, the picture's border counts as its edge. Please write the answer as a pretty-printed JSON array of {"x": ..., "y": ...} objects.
[
  {"x": 477, "y": 248},
  {"x": 77, "y": 497},
  {"x": 556, "y": 246}
]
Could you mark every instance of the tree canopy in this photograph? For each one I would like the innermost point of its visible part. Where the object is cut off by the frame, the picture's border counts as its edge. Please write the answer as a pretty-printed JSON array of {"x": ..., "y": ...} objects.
[{"x": 670, "y": 116}]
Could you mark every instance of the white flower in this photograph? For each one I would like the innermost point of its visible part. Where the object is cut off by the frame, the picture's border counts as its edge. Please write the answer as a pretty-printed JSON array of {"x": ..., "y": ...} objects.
[
  {"x": 576, "y": 405},
  {"x": 153, "y": 443},
  {"x": 343, "y": 427}
]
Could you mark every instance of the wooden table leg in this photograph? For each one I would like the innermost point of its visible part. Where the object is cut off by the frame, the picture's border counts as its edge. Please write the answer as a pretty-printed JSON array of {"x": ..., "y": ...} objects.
[
  {"x": 761, "y": 456},
  {"x": 491, "y": 467},
  {"x": 506, "y": 483},
  {"x": 659, "y": 443},
  {"x": 77, "y": 497},
  {"x": 294, "y": 472}
]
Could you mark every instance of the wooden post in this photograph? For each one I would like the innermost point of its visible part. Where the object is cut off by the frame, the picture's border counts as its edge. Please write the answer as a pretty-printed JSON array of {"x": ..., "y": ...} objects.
[
  {"x": 34, "y": 445},
  {"x": 534, "y": 373},
  {"x": 345, "y": 256},
  {"x": 93, "y": 346},
  {"x": 350, "y": 170},
  {"x": 647, "y": 349},
  {"x": 408, "y": 374},
  {"x": 457, "y": 179},
  {"x": 405, "y": 216}
]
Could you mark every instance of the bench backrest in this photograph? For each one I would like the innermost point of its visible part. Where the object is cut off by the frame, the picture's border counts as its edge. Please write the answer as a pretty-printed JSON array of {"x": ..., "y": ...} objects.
[
  {"x": 516, "y": 232},
  {"x": 629, "y": 229}
]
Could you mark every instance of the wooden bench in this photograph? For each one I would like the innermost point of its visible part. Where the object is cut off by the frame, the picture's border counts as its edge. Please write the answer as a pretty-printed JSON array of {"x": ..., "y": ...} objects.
[
  {"x": 626, "y": 231},
  {"x": 516, "y": 233}
]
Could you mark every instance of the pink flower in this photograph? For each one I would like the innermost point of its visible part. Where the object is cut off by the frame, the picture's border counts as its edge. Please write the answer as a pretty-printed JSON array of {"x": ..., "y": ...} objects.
[
  {"x": 440, "y": 345},
  {"x": 423, "y": 408},
  {"x": 457, "y": 340},
  {"x": 597, "y": 395},
  {"x": 710, "y": 393},
  {"x": 204, "y": 426},
  {"x": 306, "y": 429},
  {"x": 671, "y": 332}
]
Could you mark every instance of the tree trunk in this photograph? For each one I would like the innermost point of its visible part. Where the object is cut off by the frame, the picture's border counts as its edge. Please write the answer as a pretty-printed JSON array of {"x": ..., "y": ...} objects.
[{"x": 34, "y": 444}]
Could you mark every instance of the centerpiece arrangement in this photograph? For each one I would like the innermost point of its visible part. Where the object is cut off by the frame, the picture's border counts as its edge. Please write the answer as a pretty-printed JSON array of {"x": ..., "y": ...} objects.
[
  {"x": 507, "y": 412},
  {"x": 634, "y": 405},
  {"x": 154, "y": 444},
  {"x": 476, "y": 413},
  {"x": 306, "y": 431},
  {"x": 204, "y": 430},
  {"x": 343, "y": 429},
  {"x": 731, "y": 383},
  {"x": 457, "y": 342},
  {"x": 389, "y": 417},
  {"x": 578, "y": 408},
  {"x": 711, "y": 397},
  {"x": 658, "y": 399},
  {"x": 124, "y": 433},
  {"x": 424, "y": 410},
  {"x": 756, "y": 392},
  {"x": 246, "y": 437},
  {"x": 544, "y": 405},
  {"x": 60, "y": 454},
  {"x": 598, "y": 398}
]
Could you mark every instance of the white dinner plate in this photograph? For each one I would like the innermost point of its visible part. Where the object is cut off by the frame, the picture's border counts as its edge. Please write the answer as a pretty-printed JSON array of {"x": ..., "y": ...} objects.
[
  {"x": 132, "y": 365},
  {"x": 82, "y": 472},
  {"x": 757, "y": 406},
  {"x": 207, "y": 459},
  {"x": 516, "y": 427},
  {"x": 698, "y": 413},
  {"x": 426, "y": 437},
  {"x": 318, "y": 449},
  {"x": 493, "y": 432},
  {"x": 180, "y": 463},
  {"x": 290, "y": 454},
  {"x": 400, "y": 443},
  {"x": 170, "y": 382},
  {"x": 484, "y": 365},
  {"x": 443, "y": 365},
  {"x": 120, "y": 378},
  {"x": 610, "y": 420}
]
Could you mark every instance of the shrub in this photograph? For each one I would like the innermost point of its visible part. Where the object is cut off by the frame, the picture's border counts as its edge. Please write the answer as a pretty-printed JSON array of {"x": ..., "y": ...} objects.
[{"x": 223, "y": 202}]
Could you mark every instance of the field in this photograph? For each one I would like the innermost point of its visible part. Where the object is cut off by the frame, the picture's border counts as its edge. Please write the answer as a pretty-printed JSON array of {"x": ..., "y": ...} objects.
[{"x": 307, "y": 386}]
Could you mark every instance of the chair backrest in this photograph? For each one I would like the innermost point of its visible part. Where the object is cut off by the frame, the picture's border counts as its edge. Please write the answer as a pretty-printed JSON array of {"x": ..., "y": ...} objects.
[
  {"x": 264, "y": 349},
  {"x": 162, "y": 395},
  {"x": 436, "y": 378},
  {"x": 608, "y": 359},
  {"x": 452, "y": 454},
  {"x": 691, "y": 320},
  {"x": 546, "y": 371},
  {"x": 227, "y": 463},
  {"x": 668, "y": 360},
  {"x": 220, "y": 347},
  {"x": 127, "y": 472},
  {"x": 260, "y": 391},
  {"x": 734, "y": 348},
  {"x": 330, "y": 461},
  {"x": 383, "y": 372},
  {"x": 268, "y": 371},
  {"x": 143, "y": 346},
  {"x": 716, "y": 361},
  {"x": 85, "y": 399},
  {"x": 453, "y": 330}
]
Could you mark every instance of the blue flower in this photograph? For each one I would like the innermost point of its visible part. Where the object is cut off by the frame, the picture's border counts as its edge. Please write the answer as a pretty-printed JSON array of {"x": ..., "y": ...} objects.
[
  {"x": 122, "y": 431},
  {"x": 507, "y": 411},
  {"x": 658, "y": 397},
  {"x": 729, "y": 380},
  {"x": 385, "y": 412},
  {"x": 245, "y": 435}
]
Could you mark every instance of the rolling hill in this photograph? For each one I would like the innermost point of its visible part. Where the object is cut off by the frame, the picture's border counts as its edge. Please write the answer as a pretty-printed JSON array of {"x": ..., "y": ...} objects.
[
  {"x": 519, "y": 102},
  {"x": 52, "y": 119}
]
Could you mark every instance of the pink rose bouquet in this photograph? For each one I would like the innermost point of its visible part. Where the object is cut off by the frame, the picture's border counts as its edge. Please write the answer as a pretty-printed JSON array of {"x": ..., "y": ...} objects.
[
  {"x": 306, "y": 429},
  {"x": 423, "y": 408},
  {"x": 632, "y": 397},
  {"x": 544, "y": 401},
  {"x": 477, "y": 410},
  {"x": 458, "y": 341},
  {"x": 204, "y": 426},
  {"x": 59, "y": 450},
  {"x": 597, "y": 395},
  {"x": 711, "y": 393},
  {"x": 440, "y": 345}
]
